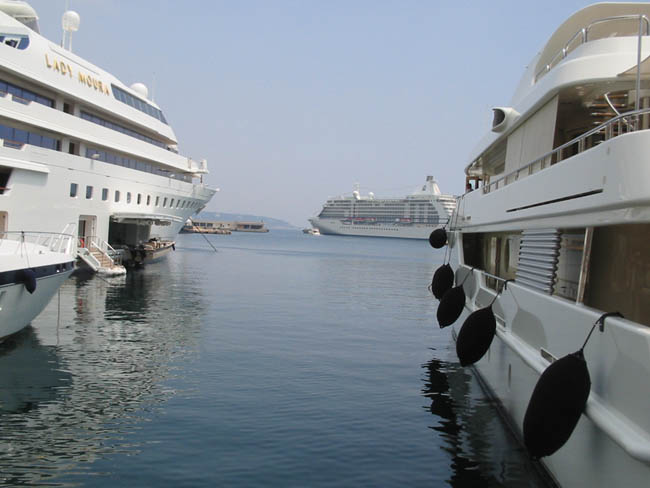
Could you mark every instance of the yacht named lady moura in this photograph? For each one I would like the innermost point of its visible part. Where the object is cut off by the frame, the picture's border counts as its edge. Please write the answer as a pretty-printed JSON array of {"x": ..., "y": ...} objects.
[
  {"x": 78, "y": 146},
  {"x": 549, "y": 252},
  {"x": 414, "y": 216}
]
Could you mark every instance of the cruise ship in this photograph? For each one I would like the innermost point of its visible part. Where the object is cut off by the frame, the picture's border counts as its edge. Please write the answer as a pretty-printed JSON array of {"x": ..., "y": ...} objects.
[
  {"x": 549, "y": 252},
  {"x": 80, "y": 147},
  {"x": 414, "y": 216}
]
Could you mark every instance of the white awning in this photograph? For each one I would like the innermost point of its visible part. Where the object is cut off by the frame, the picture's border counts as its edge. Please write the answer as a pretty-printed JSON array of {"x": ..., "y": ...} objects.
[
  {"x": 645, "y": 69},
  {"x": 145, "y": 218}
]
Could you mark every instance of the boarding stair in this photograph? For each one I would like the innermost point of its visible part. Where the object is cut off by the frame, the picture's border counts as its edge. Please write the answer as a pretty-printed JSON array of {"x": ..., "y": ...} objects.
[
  {"x": 613, "y": 104},
  {"x": 99, "y": 256}
]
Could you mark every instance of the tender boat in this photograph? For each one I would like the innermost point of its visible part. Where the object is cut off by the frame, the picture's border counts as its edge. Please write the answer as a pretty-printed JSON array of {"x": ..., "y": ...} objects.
[
  {"x": 554, "y": 230},
  {"x": 33, "y": 265}
]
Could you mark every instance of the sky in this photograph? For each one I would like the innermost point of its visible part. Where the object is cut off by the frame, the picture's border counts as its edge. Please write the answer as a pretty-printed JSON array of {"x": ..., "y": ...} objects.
[{"x": 294, "y": 101}]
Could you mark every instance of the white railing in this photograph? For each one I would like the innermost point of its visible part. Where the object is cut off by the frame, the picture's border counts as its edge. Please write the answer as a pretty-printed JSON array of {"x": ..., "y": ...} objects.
[
  {"x": 582, "y": 37},
  {"x": 94, "y": 242},
  {"x": 622, "y": 124},
  {"x": 54, "y": 241}
]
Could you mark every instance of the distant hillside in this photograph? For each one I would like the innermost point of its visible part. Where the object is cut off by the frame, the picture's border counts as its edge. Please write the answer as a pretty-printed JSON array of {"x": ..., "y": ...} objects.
[{"x": 270, "y": 222}]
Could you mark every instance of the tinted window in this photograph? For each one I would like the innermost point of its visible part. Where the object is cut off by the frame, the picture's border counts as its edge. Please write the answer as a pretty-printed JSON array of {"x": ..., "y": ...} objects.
[{"x": 73, "y": 189}]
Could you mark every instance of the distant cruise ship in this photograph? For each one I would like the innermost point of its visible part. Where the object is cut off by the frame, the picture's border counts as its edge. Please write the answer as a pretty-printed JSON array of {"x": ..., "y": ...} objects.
[{"x": 413, "y": 216}]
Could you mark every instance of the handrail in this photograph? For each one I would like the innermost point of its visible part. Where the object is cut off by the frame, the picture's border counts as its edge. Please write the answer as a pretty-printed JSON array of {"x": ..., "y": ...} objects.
[
  {"x": 104, "y": 247},
  {"x": 54, "y": 241},
  {"x": 583, "y": 35},
  {"x": 625, "y": 123}
]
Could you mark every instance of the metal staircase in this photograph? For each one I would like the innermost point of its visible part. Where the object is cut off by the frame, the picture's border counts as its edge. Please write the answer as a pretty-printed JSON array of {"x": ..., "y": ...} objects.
[{"x": 99, "y": 256}]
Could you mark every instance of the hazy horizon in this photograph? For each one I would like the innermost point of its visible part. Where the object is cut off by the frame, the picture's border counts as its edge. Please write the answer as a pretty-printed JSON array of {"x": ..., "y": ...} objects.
[{"x": 294, "y": 101}]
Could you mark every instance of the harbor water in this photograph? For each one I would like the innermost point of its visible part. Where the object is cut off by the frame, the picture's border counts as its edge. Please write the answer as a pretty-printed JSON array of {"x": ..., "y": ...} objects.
[{"x": 283, "y": 359}]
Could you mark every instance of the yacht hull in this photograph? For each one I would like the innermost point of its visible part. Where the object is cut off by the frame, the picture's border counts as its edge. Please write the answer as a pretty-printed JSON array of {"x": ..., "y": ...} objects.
[
  {"x": 18, "y": 307},
  {"x": 599, "y": 452}
]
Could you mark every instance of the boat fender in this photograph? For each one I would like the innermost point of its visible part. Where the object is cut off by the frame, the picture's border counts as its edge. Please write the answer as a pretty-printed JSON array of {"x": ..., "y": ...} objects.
[
  {"x": 557, "y": 402},
  {"x": 29, "y": 280},
  {"x": 451, "y": 306},
  {"x": 438, "y": 238},
  {"x": 443, "y": 280},
  {"x": 475, "y": 336}
]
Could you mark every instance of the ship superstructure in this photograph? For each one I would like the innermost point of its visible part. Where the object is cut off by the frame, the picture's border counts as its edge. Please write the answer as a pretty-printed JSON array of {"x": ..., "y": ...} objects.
[
  {"x": 414, "y": 216},
  {"x": 79, "y": 146}
]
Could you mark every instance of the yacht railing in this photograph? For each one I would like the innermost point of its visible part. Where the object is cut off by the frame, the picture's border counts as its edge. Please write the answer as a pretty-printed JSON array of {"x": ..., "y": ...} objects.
[
  {"x": 94, "y": 242},
  {"x": 54, "y": 241},
  {"x": 582, "y": 37},
  {"x": 616, "y": 126}
]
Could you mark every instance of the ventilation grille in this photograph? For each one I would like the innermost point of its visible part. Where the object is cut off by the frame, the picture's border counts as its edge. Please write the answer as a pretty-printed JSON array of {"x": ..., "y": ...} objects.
[{"x": 538, "y": 257}]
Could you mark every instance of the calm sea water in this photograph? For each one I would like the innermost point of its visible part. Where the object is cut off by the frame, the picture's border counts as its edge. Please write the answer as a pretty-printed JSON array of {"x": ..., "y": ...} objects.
[{"x": 281, "y": 360}]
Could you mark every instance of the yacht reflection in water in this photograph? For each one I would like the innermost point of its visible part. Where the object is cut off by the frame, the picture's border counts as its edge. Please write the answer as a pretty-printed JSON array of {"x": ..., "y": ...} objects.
[
  {"x": 30, "y": 374},
  {"x": 74, "y": 387},
  {"x": 482, "y": 449}
]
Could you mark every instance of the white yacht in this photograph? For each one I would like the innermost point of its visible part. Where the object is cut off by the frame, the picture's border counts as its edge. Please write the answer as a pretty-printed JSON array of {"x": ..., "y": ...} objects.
[
  {"x": 414, "y": 216},
  {"x": 32, "y": 268},
  {"x": 560, "y": 207},
  {"x": 78, "y": 145}
]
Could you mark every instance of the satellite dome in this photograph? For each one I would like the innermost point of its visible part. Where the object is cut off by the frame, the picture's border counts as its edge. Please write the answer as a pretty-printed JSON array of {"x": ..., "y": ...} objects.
[
  {"x": 141, "y": 89},
  {"x": 70, "y": 21}
]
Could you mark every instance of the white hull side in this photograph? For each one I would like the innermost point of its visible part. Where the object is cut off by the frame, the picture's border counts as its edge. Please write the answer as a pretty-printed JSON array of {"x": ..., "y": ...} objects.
[
  {"x": 335, "y": 227},
  {"x": 529, "y": 321},
  {"x": 39, "y": 193},
  {"x": 18, "y": 307}
]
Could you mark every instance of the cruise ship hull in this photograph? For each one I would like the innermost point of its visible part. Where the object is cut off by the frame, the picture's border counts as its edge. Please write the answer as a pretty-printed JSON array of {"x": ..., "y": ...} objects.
[{"x": 408, "y": 231}]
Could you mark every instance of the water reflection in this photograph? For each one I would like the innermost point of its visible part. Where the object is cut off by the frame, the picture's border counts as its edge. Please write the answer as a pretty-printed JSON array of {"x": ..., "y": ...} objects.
[
  {"x": 30, "y": 374},
  {"x": 483, "y": 451},
  {"x": 93, "y": 367}
]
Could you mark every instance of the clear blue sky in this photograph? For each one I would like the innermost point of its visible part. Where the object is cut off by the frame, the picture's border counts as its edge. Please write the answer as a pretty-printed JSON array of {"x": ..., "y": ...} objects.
[{"x": 293, "y": 101}]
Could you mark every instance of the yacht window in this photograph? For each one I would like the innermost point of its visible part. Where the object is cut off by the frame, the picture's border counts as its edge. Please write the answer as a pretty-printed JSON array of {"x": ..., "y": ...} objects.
[
  {"x": 148, "y": 200},
  {"x": 165, "y": 202},
  {"x": 128, "y": 197},
  {"x": 139, "y": 199},
  {"x": 89, "y": 192},
  {"x": 104, "y": 194},
  {"x": 117, "y": 195},
  {"x": 14, "y": 40},
  {"x": 138, "y": 104},
  {"x": 73, "y": 190},
  {"x": 171, "y": 204},
  {"x": 21, "y": 136},
  {"x": 120, "y": 128},
  {"x": 157, "y": 201}
]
